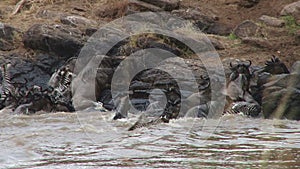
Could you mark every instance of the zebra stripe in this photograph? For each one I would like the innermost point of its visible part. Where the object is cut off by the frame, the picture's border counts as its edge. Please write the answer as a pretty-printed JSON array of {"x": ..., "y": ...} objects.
[
  {"x": 7, "y": 90},
  {"x": 63, "y": 91},
  {"x": 245, "y": 108}
]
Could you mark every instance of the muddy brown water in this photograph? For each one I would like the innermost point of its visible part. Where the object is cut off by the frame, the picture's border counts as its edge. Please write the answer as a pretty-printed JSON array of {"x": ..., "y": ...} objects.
[{"x": 92, "y": 140}]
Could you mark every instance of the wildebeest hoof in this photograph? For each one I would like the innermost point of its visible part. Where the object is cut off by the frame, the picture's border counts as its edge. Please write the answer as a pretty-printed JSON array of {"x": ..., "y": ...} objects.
[{"x": 118, "y": 116}]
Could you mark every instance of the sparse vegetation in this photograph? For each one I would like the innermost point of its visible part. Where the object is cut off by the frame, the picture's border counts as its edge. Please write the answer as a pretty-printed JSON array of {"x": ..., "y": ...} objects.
[
  {"x": 232, "y": 36},
  {"x": 291, "y": 24}
]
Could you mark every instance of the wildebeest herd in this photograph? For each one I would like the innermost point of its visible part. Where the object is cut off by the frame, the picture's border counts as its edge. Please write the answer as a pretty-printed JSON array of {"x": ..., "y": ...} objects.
[{"x": 240, "y": 94}]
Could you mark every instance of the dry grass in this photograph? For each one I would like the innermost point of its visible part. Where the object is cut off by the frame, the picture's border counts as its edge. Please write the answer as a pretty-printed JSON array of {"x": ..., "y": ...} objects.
[{"x": 113, "y": 9}]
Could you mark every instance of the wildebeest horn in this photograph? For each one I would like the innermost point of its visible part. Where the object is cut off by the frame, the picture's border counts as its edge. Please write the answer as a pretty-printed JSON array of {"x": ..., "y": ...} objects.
[
  {"x": 204, "y": 77},
  {"x": 234, "y": 63},
  {"x": 204, "y": 86},
  {"x": 249, "y": 63},
  {"x": 273, "y": 58}
]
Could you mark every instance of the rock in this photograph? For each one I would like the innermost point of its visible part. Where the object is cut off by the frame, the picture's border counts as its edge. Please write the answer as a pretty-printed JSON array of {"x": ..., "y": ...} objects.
[
  {"x": 202, "y": 20},
  {"x": 77, "y": 21},
  {"x": 36, "y": 72},
  {"x": 257, "y": 42},
  {"x": 246, "y": 29},
  {"x": 219, "y": 29},
  {"x": 281, "y": 96},
  {"x": 283, "y": 81},
  {"x": 167, "y": 5},
  {"x": 144, "y": 42},
  {"x": 292, "y": 9},
  {"x": 90, "y": 31},
  {"x": 59, "y": 39},
  {"x": 272, "y": 21},
  {"x": 248, "y": 3},
  {"x": 48, "y": 14},
  {"x": 216, "y": 43},
  {"x": 282, "y": 104},
  {"x": 9, "y": 37},
  {"x": 296, "y": 67},
  {"x": 194, "y": 14}
]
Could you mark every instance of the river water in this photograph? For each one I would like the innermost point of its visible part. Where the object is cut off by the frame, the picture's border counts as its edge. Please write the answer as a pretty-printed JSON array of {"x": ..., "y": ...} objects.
[{"x": 92, "y": 140}]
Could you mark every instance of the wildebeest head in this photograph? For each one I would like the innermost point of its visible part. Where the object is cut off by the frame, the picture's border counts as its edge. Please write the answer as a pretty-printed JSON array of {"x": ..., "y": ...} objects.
[
  {"x": 239, "y": 80},
  {"x": 240, "y": 68}
]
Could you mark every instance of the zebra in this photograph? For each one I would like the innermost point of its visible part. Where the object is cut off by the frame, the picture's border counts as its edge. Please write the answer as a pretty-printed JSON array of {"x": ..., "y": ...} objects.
[
  {"x": 63, "y": 89},
  {"x": 8, "y": 91},
  {"x": 244, "y": 108},
  {"x": 61, "y": 94}
]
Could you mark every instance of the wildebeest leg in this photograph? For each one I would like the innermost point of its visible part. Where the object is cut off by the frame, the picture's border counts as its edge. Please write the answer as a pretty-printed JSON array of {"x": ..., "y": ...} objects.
[
  {"x": 68, "y": 105},
  {"x": 22, "y": 109},
  {"x": 122, "y": 108},
  {"x": 198, "y": 111}
]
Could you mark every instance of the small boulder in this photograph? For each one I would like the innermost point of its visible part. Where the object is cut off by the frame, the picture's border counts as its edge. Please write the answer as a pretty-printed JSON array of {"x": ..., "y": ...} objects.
[
  {"x": 296, "y": 67},
  {"x": 246, "y": 29},
  {"x": 48, "y": 14},
  {"x": 77, "y": 21},
  {"x": 219, "y": 29},
  {"x": 216, "y": 43},
  {"x": 292, "y": 9},
  {"x": 272, "y": 21},
  {"x": 8, "y": 37},
  {"x": 257, "y": 42},
  {"x": 281, "y": 96},
  {"x": 62, "y": 40},
  {"x": 202, "y": 20}
]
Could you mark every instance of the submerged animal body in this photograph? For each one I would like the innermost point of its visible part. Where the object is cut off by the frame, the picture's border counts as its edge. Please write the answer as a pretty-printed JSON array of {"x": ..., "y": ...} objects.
[{"x": 141, "y": 122}]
